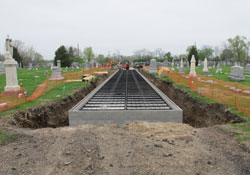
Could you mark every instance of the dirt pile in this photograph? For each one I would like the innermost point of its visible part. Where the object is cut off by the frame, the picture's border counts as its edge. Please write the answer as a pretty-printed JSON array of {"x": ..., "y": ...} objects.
[
  {"x": 139, "y": 148},
  {"x": 196, "y": 112}
]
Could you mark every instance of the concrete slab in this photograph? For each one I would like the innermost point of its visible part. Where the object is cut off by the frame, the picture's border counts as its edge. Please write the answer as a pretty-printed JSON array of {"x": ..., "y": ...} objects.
[{"x": 121, "y": 117}]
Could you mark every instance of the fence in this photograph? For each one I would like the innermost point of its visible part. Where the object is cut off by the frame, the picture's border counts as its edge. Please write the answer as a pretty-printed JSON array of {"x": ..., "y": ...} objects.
[
  {"x": 229, "y": 93},
  {"x": 14, "y": 98}
]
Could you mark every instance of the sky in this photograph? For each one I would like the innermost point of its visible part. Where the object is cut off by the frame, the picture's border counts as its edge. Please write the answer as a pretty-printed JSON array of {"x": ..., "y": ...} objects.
[{"x": 124, "y": 25}]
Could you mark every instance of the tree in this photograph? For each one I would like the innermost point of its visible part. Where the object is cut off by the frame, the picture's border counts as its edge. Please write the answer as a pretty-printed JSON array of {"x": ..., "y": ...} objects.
[
  {"x": 238, "y": 46},
  {"x": 88, "y": 53},
  {"x": 71, "y": 52},
  {"x": 38, "y": 58},
  {"x": 227, "y": 55},
  {"x": 206, "y": 52},
  {"x": 168, "y": 56},
  {"x": 16, "y": 55},
  {"x": 193, "y": 51},
  {"x": 62, "y": 54}
]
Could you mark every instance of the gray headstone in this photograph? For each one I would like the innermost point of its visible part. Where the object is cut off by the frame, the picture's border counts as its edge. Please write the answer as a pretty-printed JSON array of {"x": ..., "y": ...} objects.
[
  {"x": 153, "y": 66},
  {"x": 59, "y": 63},
  {"x": 236, "y": 73},
  {"x": 247, "y": 69}
]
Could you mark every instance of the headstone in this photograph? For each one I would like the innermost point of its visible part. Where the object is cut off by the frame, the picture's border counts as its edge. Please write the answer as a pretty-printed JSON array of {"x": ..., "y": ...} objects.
[
  {"x": 192, "y": 70},
  {"x": 2, "y": 69},
  {"x": 153, "y": 66},
  {"x": 181, "y": 69},
  {"x": 57, "y": 72},
  {"x": 59, "y": 63},
  {"x": 10, "y": 68},
  {"x": 236, "y": 73},
  {"x": 205, "y": 69},
  {"x": 247, "y": 69},
  {"x": 172, "y": 65},
  {"x": 30, "y": 66},
  {"x": 218, "y": 70}
]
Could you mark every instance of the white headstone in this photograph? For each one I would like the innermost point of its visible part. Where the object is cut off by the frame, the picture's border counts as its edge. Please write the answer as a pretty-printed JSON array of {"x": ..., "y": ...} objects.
[
  {"x": 181, "y": 68},
  {"x": 10, "y": 69},
  {"x": 192, "y": 70},
  {"x": 218, "y": 70},
  {"x": 153, "y": 66},
  {"x": 205, "y": 69}
]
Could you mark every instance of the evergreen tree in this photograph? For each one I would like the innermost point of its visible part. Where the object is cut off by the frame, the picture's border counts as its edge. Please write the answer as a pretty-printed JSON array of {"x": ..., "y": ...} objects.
[
  {"x": 193, "y": 51},
  {"x": 63, "y": 55},
  {"x": 16, "y": 55}
]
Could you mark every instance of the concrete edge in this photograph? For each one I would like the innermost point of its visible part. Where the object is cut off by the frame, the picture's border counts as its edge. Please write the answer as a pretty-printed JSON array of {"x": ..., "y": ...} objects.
[{"x": 92, "y": 93}]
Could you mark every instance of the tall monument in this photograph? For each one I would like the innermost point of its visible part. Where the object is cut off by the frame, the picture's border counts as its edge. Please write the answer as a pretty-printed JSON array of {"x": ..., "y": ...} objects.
[
  {"x": 205, "y": 69},
  {"x": 10, "y": 67},
  {"x": 192, "y": 70}
]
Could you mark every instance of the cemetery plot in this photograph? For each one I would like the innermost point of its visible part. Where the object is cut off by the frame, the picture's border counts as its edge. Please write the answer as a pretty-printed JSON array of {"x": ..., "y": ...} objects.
[
  {"x": 230, "y": 93},
  {"x": 36, "y": 83}
]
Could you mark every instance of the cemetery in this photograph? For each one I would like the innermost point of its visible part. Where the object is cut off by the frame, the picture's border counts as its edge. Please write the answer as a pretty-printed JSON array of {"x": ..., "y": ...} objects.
[{"x": 110, "y": 88}]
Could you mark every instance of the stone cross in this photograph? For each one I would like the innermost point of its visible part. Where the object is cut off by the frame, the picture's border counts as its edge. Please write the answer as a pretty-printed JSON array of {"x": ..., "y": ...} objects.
[
  {"x": 9, "y": 46},
  {"x": 192, "y": 70}
]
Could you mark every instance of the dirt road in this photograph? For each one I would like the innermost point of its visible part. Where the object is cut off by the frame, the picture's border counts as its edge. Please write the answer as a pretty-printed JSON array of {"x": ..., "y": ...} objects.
[{"x": 137, "y": 148}]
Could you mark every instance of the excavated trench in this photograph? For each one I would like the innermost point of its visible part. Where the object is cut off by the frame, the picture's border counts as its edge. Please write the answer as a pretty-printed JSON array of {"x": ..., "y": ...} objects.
[{"x": 195, "y": 112}]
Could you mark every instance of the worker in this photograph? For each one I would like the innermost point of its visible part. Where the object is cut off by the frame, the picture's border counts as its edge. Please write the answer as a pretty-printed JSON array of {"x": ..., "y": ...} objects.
[{"x": 127, "y": 65}]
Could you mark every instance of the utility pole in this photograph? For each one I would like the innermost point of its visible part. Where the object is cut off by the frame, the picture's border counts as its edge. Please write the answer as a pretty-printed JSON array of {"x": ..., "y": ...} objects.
[{"x": 78, "y": 51}]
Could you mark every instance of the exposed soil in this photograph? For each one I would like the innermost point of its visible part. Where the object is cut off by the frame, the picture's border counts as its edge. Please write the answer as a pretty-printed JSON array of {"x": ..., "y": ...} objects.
[
  {"x": 138, "y": 148},
  {"x": 196, "y": 112},
  {"x": 54, "y": 114}
]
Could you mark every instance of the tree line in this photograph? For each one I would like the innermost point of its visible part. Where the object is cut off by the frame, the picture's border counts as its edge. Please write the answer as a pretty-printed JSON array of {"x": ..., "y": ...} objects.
[{"x": 234, "y": 49}]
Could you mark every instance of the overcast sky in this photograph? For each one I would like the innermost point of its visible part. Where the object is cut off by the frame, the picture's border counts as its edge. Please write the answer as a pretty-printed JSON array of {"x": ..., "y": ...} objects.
[{"x": 124, "y": 25}]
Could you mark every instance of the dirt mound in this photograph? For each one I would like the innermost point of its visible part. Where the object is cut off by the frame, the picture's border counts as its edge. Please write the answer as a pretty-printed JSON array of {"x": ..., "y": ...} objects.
[
  {"x": 196, "y": 112},
  {"x": 88, "y": 149}
]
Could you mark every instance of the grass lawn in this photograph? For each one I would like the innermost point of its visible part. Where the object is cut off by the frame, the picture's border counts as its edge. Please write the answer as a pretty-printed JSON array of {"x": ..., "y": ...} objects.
[
  {"x": 55, "y": 93},
  {"x": 30, "y": 79},
  {"x": 223, "y": 76}
]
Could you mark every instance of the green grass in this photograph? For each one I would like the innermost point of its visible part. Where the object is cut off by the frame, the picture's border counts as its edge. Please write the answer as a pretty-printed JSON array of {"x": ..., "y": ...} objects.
[
  {"x": 223, "y": 76},
  {"x": 55, "y": 93},
  {"x": 28, "y": 80},
  {"x": 4, "y": 137},
  {"x": 189, "y": 91}
]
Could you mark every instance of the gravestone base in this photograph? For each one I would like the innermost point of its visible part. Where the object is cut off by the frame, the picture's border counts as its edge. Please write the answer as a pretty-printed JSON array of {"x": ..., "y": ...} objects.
[
  {"x": 13, "y": 92},
  {"x": 153, "y": 71},
  {"x": 235, "y": 78},
  {"x": 57, "y": 77},
  {"x": 205, "y": 72}
]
